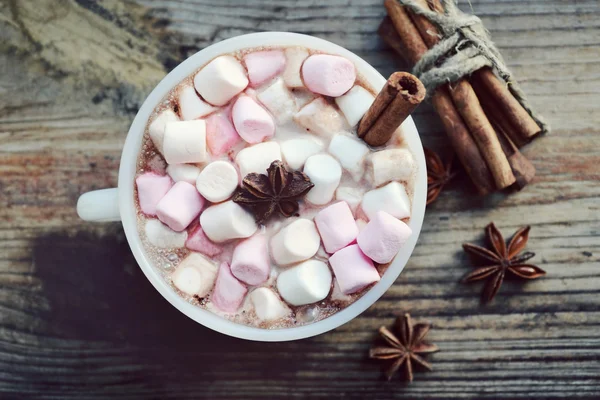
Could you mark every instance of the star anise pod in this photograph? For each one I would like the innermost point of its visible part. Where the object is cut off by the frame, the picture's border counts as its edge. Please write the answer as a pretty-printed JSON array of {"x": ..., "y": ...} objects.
[
  {"x": 279, "y": 190},
  {"x": 501, "y": 259},
  {"x": 405, "y": 348},
  {"x": 438, "y": 174}
]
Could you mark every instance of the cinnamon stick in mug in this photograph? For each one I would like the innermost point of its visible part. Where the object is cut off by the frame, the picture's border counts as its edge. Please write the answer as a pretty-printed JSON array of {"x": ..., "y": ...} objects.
[{"x": 399, "y": 97}]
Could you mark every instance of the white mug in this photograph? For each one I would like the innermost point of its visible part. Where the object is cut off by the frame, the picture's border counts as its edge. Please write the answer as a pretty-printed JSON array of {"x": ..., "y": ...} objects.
[{"x": 119, "y": 203}]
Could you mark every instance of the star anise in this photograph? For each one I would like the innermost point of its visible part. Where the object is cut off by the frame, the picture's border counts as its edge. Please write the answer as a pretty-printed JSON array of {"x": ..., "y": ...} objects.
[
  {"x": 279, "y": 190},
  {"x": 438, "y": 174},
  {"x": 501, "y": 259},
  {"x": 405, "y": 348}
]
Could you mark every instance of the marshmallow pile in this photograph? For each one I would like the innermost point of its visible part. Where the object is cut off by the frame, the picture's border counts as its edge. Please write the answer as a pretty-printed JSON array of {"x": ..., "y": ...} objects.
[{"x": 235, "y": 117}]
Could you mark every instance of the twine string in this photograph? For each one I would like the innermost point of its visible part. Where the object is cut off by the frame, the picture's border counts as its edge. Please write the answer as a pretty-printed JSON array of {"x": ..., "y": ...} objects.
[{"x": 465, "y": 46}]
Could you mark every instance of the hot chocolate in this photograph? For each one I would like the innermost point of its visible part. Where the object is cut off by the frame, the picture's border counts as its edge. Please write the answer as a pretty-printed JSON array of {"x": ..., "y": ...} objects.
[{"x": 257, "y": 201}]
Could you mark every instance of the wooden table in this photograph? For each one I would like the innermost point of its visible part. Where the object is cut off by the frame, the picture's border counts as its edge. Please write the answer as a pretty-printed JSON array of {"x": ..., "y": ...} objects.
[{"x": 79, "y": 320}]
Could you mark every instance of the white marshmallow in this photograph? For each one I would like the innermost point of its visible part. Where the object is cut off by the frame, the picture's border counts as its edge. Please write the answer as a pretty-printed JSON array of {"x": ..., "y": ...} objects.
[
  {"x": 296, "y": 151},
  {"x": 267, "y": 305},
  {"x": 183, "y": 172},
  {"x": 160, "y": 235},
  {"x": 195, "y": 275},
  {"x": 191, "y": 105},
  {"x": 279, "y": 101},
  {"x": 185, "y": 142},
  {"x": 355, "y": 104},
  {"x": 220, "y": 80},
  {"x": 361, "y": 223},
  {"x": 391, "y": 198},
  {"x": 156, "y": 130},
  {"x": 351, "y": 195},
  {"x": 257, "y": 158},
  {"x": 305, "y": 283},
  {"x": 303, "y": 97},
  {"x": 296, "y": 242},
  {"x": 295, "y": 56},
  {"x": 392, "y": 165},
  {"x": 350, "y": 153},
  {"x": 226, "y": 221},
  {"x": 217, "y": 181},
  {"x": 321, "y": 118},
  {"x": 325, "y": 173}
]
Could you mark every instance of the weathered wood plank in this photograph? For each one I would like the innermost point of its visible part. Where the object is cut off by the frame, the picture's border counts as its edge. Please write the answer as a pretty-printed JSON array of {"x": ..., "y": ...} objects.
[{"x": 79, "y": 320}]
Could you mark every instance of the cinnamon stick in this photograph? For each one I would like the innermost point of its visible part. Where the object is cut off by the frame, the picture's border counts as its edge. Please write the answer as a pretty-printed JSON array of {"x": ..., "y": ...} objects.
[
  {"x": 522, "y": 168},
  {"x": 482, "y": 81},
  {"x": 407, "y": 32},
  {"x": 458, "y": 133},
  {"x": 465, "y": 147},
  {"x": 490, "y": 106},
  {"x": 399, "y": 97},
  {"x": 481, "y": 129},
  {"x": 389, "y": 35},
  {"x": 521, "y": 127},
  {"x": 470, "y": 109}
]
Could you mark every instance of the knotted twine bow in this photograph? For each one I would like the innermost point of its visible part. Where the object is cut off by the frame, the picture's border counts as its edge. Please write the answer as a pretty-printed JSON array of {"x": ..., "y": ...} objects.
[{"x": 465, "y": 46}]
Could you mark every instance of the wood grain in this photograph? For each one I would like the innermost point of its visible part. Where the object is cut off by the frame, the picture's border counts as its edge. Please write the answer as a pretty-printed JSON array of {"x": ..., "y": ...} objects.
[{"x": 79, "y": 320}]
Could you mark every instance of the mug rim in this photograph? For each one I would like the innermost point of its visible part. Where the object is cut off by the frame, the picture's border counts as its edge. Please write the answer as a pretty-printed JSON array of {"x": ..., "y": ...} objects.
[{"x": 128, "y": 168}]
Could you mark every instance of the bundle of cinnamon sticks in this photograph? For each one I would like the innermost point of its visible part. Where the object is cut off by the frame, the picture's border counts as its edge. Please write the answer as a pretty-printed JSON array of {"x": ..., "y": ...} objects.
[{"x": 486, "y": 125}]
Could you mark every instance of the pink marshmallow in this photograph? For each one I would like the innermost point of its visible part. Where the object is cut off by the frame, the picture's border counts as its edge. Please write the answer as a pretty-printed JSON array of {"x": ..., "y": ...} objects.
[
  {"x": 336, "y": 226},
  {"x": 264, "y": 65},
  {"x": 383, "y": 236},
  {"x": 252, "y": 122},
  {"x": 353, "y": 269},
  {"x": 180, "y": 206},
  {"x": 198, "y": 241},
  {"x": 228, "y": 292},
  {"x": 221, "y": 136},
  {"x": 328, "y": 75},
  {"x": 151, "y": 189},
  {"x": 250, "y": 262}
]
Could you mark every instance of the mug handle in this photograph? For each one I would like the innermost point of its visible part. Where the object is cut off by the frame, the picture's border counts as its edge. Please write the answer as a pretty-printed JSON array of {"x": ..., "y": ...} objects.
[{"x": 99, "y": 206}]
